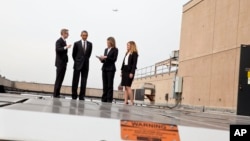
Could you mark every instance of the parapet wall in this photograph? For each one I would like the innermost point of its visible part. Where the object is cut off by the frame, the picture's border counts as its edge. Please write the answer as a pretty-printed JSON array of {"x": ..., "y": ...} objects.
[
  {"x": 5, "y": 82},
  {"x": 49, "y": 88}
]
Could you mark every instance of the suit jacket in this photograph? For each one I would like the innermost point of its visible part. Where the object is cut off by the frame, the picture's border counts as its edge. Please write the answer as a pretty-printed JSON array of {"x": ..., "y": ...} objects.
[
  {"x": 109, "y": 62},
  {"x": 80, "y": 58},
  {"x": 61, "y": 53},
  {"x": 132, "y": 62}
]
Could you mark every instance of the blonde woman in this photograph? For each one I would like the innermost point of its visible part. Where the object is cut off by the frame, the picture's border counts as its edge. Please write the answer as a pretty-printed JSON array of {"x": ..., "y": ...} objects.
[
  {"x": 128, "y": 71},
  {"x": 108, "y": 69}
]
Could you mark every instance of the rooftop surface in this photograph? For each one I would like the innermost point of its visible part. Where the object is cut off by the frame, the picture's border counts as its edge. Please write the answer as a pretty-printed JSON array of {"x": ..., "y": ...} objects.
[{"x": 43, "y": 115}]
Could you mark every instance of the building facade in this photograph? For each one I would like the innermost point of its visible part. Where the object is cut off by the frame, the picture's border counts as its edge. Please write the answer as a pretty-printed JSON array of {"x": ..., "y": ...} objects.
[
  {"x": 211, "y": 35},
  {"x": 212, "y": 32}
]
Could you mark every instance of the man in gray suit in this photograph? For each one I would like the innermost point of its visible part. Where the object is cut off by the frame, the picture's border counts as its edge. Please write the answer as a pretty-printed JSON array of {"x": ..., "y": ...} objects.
[
  {"x": 81, "y": 53},
  {"x": 61, "y": 61}
]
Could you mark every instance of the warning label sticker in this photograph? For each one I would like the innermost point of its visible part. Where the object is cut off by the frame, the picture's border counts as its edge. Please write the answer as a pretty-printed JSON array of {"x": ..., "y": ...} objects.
[{"x": 148, "y": 131}]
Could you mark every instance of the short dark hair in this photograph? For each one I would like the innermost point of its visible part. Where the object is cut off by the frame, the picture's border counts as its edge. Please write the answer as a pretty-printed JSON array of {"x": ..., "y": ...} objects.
[
  {"x": 84, "y": 31},
  {"x": 64, "y": 30}
]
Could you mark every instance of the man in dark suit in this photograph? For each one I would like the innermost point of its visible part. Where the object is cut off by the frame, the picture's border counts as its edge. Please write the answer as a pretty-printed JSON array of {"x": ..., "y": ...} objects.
[
  {"x": 81, "y": 53},
  {"x": 61, "y": 61},
  {"x": 108, "y": 69}
]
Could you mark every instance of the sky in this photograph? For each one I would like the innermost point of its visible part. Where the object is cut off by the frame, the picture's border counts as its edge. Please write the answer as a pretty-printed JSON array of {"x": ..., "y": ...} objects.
[{"x": 30, "y": 28}]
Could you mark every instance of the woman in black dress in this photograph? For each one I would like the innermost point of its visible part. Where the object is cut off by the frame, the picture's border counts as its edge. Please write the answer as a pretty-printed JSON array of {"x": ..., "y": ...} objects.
[{"x": 128, "y": 70}]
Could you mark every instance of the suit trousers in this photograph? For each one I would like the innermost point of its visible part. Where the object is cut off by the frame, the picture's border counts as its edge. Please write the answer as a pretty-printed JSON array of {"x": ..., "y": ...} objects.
[
  {"x": 60, "y": 73},
  {"x": 107, "y": 81},
  {"x": 75, "y": 81}
]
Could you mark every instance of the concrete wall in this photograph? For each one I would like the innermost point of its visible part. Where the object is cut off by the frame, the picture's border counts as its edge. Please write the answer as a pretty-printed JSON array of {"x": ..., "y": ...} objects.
[
  {"x": 5, "y": 82},
  {"x": 211, "y": 34},
  {"x": 48, "y": 88},
  {"x": 163, "y": 85}
]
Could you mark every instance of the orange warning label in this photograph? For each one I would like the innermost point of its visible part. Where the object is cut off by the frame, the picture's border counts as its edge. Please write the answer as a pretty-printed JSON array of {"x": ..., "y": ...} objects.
[{"x": 148, "y": 131}]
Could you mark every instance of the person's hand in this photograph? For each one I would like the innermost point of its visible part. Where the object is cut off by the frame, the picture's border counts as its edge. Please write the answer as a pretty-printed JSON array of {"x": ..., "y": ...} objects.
[
  {"x": 131, "y": 75},
  {"x": 103, "y": 57},
  {"x": 68, "y": 46}
]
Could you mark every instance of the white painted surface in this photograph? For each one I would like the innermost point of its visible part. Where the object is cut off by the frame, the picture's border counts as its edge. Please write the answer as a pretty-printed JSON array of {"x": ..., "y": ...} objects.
[
  {"x": 202, "y": 134},
  {"x": 38, "y": 126},
  {"x": 41, "y": 126}
]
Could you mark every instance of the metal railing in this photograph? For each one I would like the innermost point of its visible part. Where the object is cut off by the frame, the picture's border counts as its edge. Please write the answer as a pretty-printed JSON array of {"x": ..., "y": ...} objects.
[{"x": 154, "y": 70}]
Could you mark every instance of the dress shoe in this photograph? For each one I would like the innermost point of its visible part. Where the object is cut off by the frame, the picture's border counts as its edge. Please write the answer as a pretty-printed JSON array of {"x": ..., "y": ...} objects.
[
  {"x": 56, "y": 96},
  {"x": 81, "y": 98}
]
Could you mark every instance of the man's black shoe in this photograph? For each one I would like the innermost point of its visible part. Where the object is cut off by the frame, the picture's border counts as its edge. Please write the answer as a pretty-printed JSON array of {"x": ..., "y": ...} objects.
[
  {"x": 81, "y": 98},
  {"x": 57, "y": 96}
]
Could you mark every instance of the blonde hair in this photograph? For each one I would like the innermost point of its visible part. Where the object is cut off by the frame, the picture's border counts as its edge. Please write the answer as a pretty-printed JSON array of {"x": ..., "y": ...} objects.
[
  {"x": 133, "y": 47},
  {"x": 112, "y": 41}
]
